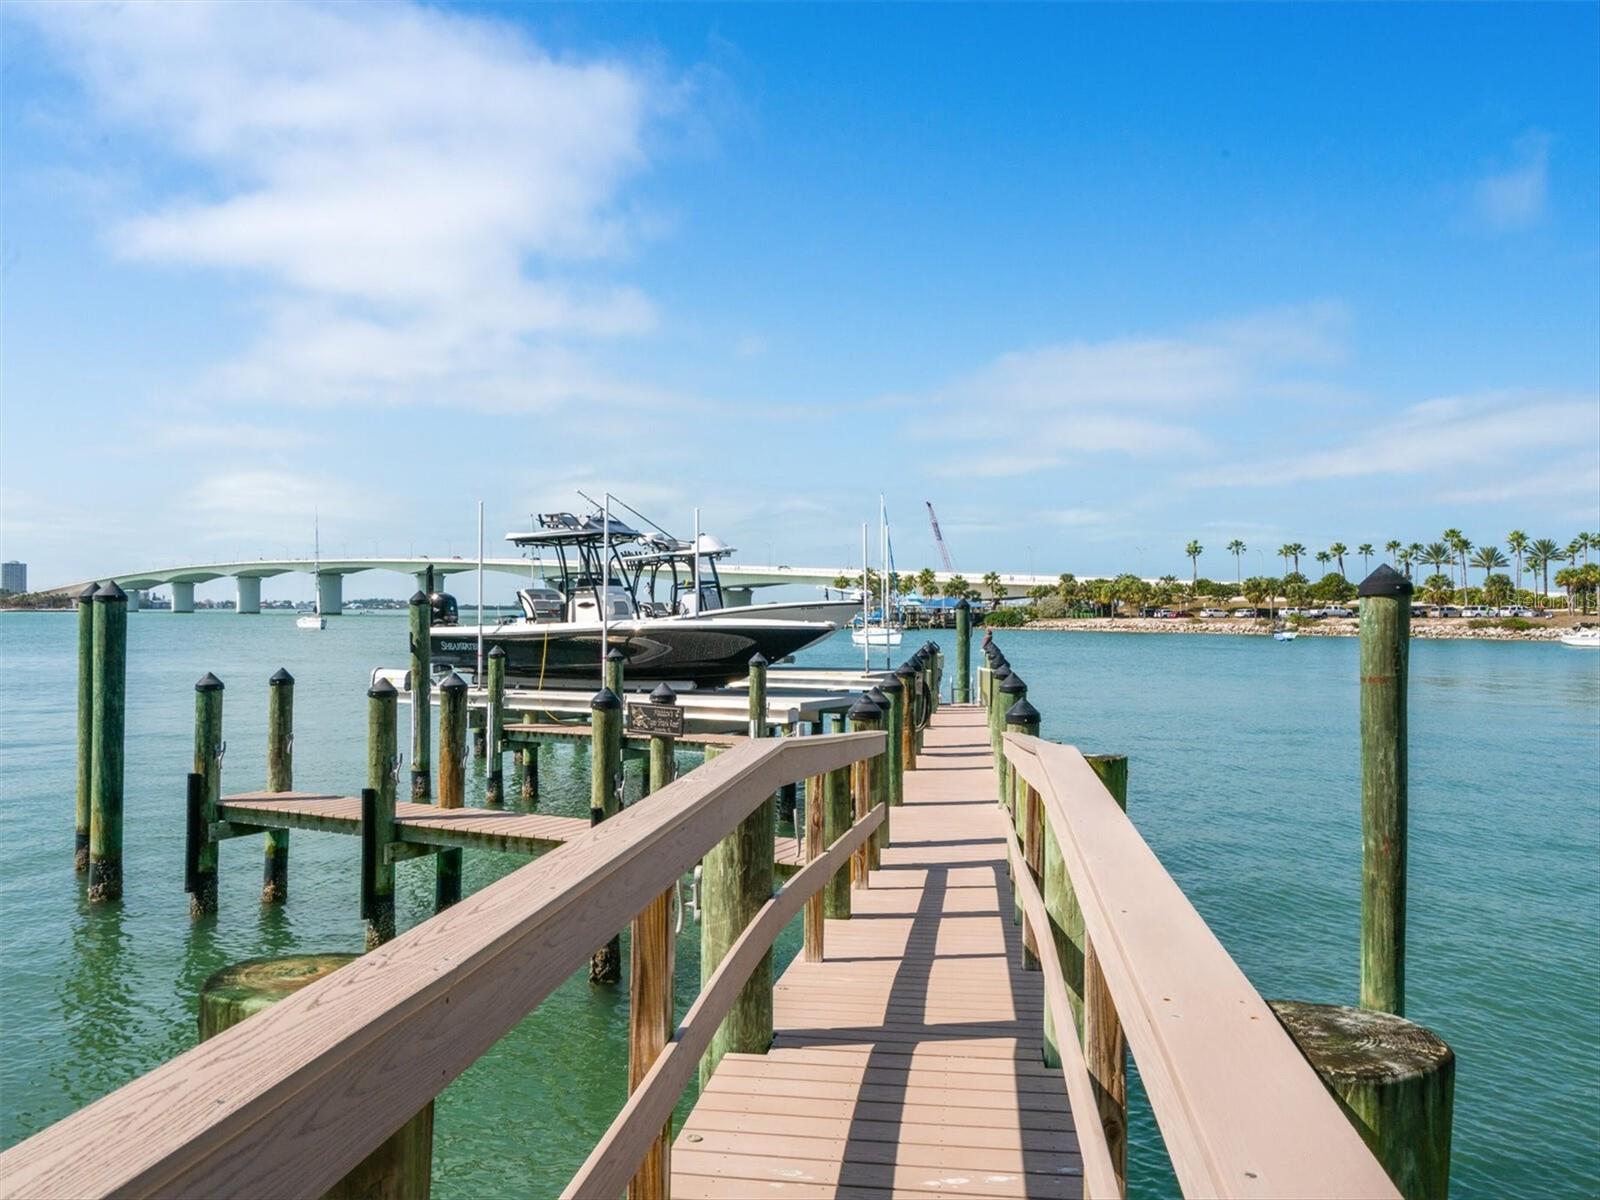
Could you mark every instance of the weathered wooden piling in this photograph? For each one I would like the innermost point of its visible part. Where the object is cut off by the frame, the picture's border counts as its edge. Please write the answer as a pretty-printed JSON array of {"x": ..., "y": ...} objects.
[
  {"x": 1008, "y": 691},
  {"x": 736, "y": 879},
  {"x": 1105, "y": 1049},
  {"x": 529, "y": 756},
  {"x": 1385, "y": 650},
  {"x": 80, "y": 838},
  {"x": 864, "y": 715},
  {"x": 838, "y": 813},
  {"x": 280, "y": 778},
  {"x": 1028, "y": 815},
  {"x": 963, "y": 680},
  {"x": 452, "y": 783},
  {"x": 651, "y": 1008},
  {"x": 420, "y": 612},
  {"x": 377, "y": 815},
  {"x": 605, "y": 800},
  {"x": 997, "y": 709},
  {"x": 616, "y": 663},
  {"x": 894, "y": 722},
  {"x": 110, "y": 640},
  {"x": 401, "y": 1168},
  {"x": 878, "y": 781},
  {"x": 494, "y": 722},
  {"x": 911, "y": 713},
  {"x": 816, "y": 844},
  {"x": 208, "y": 751}
]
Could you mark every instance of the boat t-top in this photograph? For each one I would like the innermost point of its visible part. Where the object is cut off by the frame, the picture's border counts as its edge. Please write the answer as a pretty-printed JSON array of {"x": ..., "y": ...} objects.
[{"x": 609, "y": 586}]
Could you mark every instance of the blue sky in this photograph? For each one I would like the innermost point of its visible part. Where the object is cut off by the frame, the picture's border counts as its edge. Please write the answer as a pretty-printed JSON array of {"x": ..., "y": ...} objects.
[{"x": 1094, "y": 280}]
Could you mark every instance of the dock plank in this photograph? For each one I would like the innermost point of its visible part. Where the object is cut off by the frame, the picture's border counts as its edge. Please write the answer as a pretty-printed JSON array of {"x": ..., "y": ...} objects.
[{"x": 909, "y": 1063}]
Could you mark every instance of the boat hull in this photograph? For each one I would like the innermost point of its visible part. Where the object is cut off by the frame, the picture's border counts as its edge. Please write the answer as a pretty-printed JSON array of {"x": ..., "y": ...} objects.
[
  {"x": 706, "y": 651},
  {"x": 835, "y": 612}
]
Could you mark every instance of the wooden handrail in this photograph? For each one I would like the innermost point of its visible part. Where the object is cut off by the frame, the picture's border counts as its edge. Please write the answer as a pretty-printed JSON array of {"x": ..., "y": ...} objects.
[
  {"x": 303, "y": 1091},
  {"x": 1240, "y": 1110},
  {"x": 618, "y": 1153},
  {"x": 1099, "y": 1173}
]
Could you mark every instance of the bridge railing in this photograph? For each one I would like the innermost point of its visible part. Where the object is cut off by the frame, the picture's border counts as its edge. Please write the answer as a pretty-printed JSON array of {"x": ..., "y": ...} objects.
[
  {"x": 290, "y": 1100},
  {"x": 1240, "y": 1110}
]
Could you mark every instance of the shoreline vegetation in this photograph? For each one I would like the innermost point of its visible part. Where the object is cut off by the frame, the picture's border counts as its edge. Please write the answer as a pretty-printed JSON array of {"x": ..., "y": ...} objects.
[{"x": 1421, "y": 627}]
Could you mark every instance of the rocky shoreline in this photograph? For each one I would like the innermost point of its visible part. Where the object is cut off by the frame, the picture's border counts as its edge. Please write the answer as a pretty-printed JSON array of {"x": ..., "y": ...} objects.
[{"x": 1545, "y": 631}]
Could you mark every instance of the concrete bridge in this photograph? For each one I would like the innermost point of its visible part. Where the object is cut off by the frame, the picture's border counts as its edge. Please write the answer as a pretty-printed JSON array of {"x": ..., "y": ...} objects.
[{"x": 739, "y": 580}]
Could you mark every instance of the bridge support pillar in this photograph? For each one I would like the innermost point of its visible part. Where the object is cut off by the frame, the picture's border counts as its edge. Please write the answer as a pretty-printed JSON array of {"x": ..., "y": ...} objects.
[
  {"x": 737, "y": 597},
  {"x": 182, "y": 597},
  {"x": 134, "y": 597},
  {"x": 330, "y": 590},
  {"x": 249, "y": 600}
]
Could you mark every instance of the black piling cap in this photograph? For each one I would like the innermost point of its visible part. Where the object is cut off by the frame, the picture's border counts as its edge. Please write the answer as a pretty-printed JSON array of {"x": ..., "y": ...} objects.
[
  {"x": 931, "y": 647},
  {"x": 876, "y": 696},
  {"x": 208, "y": 683},
  {"x": 1012, "y": 683},
  {"x": 498, "y": 652},
  {"x": 962, "y": 605},
  {"x": 383, "y": 689},
  {"x": 758, "y": 659},
  {"x": 453, "y": 683},
  {"x": 1385, "y": 581},
  {"x": 891, "y": 686},
  {"x": 663, "y": 694},
  {"x": 615, "y": 655},
  {"x": 109, "y": 592},
  {"x": 279, "y": 678},
  {"x": 88, "y": 593},
  {"x": 907, "y": 671},
  {"x": 1022, "y": 713},
  {"x": 605, "y": 700},
  {"x": 418, "y": 597},
  {"x": 1002, "y": 672},
  {"x": 864, "y": 710}
]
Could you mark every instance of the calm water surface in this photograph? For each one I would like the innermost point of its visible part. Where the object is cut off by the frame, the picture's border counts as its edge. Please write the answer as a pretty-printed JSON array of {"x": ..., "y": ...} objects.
[{"x": 1243, "y": 778}]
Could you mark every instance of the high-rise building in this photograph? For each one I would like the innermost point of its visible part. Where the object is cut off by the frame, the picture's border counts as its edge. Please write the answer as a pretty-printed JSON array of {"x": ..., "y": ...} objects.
[{"x": 13, "y": 577}]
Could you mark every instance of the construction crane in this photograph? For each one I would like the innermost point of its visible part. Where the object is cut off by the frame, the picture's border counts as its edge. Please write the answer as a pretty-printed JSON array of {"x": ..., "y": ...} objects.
[{"x": 938, "y": 538}]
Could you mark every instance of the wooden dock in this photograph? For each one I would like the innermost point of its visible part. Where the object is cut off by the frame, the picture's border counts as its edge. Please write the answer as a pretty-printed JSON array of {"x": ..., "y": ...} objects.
[{"x": 910, "y": 1061}]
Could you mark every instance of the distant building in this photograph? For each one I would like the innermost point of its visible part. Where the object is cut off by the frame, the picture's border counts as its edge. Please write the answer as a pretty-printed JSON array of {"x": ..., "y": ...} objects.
[{"x": 13, "y": 577}]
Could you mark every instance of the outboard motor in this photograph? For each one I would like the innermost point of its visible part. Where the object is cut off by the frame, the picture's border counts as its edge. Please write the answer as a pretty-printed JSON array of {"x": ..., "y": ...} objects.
[{"x": 443, "y": 605}]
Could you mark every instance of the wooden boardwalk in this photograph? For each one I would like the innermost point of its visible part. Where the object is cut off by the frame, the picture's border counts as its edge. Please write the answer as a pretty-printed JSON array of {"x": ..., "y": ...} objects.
[{"x": 909, "y": 1062}]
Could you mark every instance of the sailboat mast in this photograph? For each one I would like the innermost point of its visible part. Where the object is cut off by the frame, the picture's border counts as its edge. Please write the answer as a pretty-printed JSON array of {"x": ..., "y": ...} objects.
[
  {"x": 605, "y": 585},
  {"x": 316, "y": 557},
  {"x": 478, "y": 678},
  {"x": 866, "y": 605}
]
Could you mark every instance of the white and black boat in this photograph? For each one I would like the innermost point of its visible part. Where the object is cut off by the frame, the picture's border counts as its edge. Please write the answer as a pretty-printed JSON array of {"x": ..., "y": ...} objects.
[{"x": 609, "y": 586}]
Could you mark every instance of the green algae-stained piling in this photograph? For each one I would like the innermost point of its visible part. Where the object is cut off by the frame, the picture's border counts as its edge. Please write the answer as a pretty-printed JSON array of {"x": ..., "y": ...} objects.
[
  {"x": 1385, "y": 651},
  {"x": 280, "y": 778},
  {"x": 420, "y": 612},
  {"x": 1023, "y": 717},
  {"x": 894, "y": 724},
  {"x": 613, "y": 672},
  {"x": 494, "y": 722},
  {"x": 1105, "y": 1048},
  {"x": 910, "y": 678},
  {"x": 838, "y": 815},
  {"x": 865, "y": 716},
  {"x": 80, "y": 838},
  {"x": 208, "y": 748},
  {"x": 401, "y": 1168},
  {"x": 605, "y": 800},
  {"x": 877, "y": 778},
  {"x": 452, "y": 783},
  {"x": 105, "y": 764},
  {"x": 1393, "y": 1079},
  {"x": 735, "y": 881},
  {"x": 997, "y": 714},
  {"x": 377, "y": 827},
  {"x": 529, "y": 755},
  {"x": 963, "y": 679},
  {"x": 1007, "y": 692}
]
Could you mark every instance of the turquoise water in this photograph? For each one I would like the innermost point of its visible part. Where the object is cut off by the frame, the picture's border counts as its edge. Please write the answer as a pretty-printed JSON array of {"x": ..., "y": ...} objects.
[{"x": 1242, "y": 777}]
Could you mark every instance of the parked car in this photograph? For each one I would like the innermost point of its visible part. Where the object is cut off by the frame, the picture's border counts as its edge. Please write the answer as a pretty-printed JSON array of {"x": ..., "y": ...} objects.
[
  {"x": 1161, "y": 612},
  {"x": 1337, "y": 610},
  {"x": 1246, "y": 613},
  {"x": 1213, "y": 612},
  {"x": 1477, "y": 610},
  {"x": 1514, "y": 610}
]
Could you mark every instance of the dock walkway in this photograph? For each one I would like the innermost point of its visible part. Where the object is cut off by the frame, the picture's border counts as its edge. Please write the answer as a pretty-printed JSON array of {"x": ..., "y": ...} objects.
[{"x": 909, "y": 1062}]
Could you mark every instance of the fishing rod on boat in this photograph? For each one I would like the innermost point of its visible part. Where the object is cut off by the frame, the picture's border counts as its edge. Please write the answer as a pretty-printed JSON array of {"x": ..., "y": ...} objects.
[{"x": 630, "y": 508}]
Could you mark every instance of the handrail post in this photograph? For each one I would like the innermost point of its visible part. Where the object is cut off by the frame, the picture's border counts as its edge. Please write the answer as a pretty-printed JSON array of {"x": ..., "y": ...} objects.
[
  {"x": 377, "y": 828},
  {"x": 420, "y": 612},
  {"x": 494, "y": 717},
  {"x": 1104, "y": 1047},
  {"x": 605, "y": 800},
  {"x": 452, "y": 783},
  {"x": 963, "y": 680},
  {"x": 650, "y": 978},
  {"x": 1023, "y": 718},
  {"x": 816, "y": 843},
  {"x": 208, "y": 747},
  {"x": 280, "y": 778},
  {"x": 864, "y": 716}
]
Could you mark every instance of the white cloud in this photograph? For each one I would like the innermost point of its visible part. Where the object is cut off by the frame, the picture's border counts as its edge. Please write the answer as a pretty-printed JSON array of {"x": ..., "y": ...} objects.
[
  {"x": 227, "y": 435},
  {"x": 273, "y": 506},
  {"x": 1450, "y": 433},
  {"x": 1515, "y": 197},
  {"x": 430, "y": 198},
  {"x": 1138, "y": 396}
]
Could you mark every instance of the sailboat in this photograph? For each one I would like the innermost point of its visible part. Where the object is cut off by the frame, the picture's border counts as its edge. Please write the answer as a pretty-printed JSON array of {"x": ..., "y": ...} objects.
[
  {"x": 316, "y": 621},
  {"x": 886, "y": 633}
]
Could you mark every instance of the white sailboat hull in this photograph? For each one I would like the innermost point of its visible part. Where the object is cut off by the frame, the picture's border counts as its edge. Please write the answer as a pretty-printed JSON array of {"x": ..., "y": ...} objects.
[
  {"x": 312, "y": 622},
  {"x": 876, "y": 637}
]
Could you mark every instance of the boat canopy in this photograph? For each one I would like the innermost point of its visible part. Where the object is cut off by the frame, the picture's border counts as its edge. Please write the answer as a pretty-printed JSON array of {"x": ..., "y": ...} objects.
[{"x": 557, "y": 529}]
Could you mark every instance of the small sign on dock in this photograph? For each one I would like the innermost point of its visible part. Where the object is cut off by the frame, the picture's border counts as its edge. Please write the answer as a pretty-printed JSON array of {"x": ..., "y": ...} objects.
[{"x": 664, "y": 719}]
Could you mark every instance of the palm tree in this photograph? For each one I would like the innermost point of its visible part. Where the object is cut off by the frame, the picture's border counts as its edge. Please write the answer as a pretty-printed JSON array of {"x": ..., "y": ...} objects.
[
  {"x": 997, "y": 590},
  {"x": 956, "y": 587},
  {"x": 1283, "y": 552},
  {"x": 1438, "y": 587},
  {"x": 1459, "y": 546},
  {"x": 1417, "y": 550},
  {"x": 927, "y": 583},
  {"x": 1237, "y": 548},
  {"x": 1488, "y": 559},
  {"x": 1404, "y": 559},
  {"x": 1393, "y": 547},
  {"x": 1067, "y": 586},
  {"x": 1540, "y": 555},
  {"x": 1339, "y": 550},
  {"x": 1296, "y": 549},
  {"x": 1366, "y": 551},
  {"x": 1517, "y": 543},
  {"x": 1194, "y": 550},
  {"x": 1323, "y": 559},
  {"x": 1436, "y": 555}
]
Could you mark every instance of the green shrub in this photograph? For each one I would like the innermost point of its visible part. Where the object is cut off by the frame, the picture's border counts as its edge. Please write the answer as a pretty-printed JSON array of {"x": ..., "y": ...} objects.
[
  {"x": 1516, "y": 623},
  {"x": 1006, "y": 618},
  {"x": 1479, "y": 623}
]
